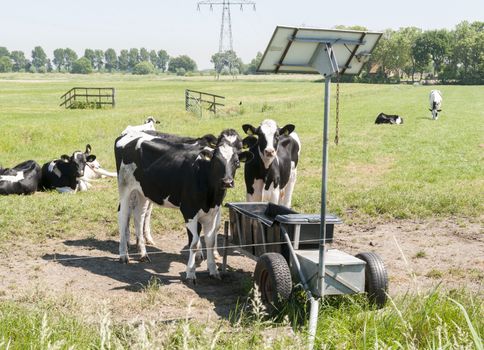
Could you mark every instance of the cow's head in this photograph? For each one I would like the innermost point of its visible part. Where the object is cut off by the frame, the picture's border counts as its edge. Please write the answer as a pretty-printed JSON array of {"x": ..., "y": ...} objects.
[
  {"x": 225, "y": 158},
  {"x": 78, "y": 160},
  {"x": 268, "y": 135}
]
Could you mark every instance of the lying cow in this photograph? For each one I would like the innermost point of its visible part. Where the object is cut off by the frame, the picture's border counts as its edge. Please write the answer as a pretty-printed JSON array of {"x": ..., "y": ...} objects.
[
  {"x": 435, "y": 99},
  {"x": 271, "y": 176},
  {"x": 176, "y": 175},
  {"x": 23, "y": 178},
  {"x": 65, "y": 174},
  {"x": 93, "y": 171},
  {"x": 383, "y": 118}
]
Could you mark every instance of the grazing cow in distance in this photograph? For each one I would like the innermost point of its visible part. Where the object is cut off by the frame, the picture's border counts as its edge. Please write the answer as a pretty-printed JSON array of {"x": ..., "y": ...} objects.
[
  {"x": 65, "y": 174},
  {"x": 176, "y": 175},
  {"x": 23, "y": 178},
  {"x": 271, "y": 175},
  {"x": 383, "y": 118},
  {"x": 435, "y": 99},
  {"x": 149, "y": 124}
]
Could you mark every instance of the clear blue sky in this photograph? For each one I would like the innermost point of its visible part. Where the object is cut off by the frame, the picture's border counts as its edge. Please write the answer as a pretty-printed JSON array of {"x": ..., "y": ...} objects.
[{"x": 177, "y": 27}]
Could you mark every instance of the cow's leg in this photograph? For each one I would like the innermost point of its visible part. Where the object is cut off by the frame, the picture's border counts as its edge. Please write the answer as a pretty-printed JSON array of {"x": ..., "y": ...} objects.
[
  {"x": 271, "y": 194},
  {"x": 258, "y": 186},
  {"x": 123, "y": 224},
  {"x": 286, "y": 199},
  {"x": 218, "y": 220},
  {"x": 209, "y": 231},
  {"x": 139, "y": 212},
  {"x": 147, "y": 225},
  {"x": 192, "y": 226}
]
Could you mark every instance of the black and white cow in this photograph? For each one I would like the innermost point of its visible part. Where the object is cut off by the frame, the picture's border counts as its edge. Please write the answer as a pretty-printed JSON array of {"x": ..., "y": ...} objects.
[
  {"x": 435, "y": 100},
  {"x": 149, "y": 124},
  {"x": 23, "y": 178},
  {"x": 175, "y": 175},
  {"x": 271, "y": 175},
  {"x": 93, "y": 171},
  {"x": 383, "y": 118},
  {"x": 65, "y": 174}
]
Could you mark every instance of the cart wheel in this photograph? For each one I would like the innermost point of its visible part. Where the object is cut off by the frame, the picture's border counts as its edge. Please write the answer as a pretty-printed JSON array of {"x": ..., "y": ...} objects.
[
  {"x": 273, "y": 277},
  {"x": 376, "y": 279}
]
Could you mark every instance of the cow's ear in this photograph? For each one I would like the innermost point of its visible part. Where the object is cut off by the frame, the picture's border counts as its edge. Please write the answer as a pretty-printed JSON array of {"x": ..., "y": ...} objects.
[
  {"x": 439, "y": 110},
  {"x": 88, "y": 149},
  {"x": 430, "y": 109},
  {"x": 205, "y": 154},
  {"x": 249, "y": 142},
  {"x": 65, "y": 157},
  {"x": 245, "y": 156},
  {"x": 249, "y": 129},
  {"x": 91, "y": 158},
  {"x": 287, "y": 129}
]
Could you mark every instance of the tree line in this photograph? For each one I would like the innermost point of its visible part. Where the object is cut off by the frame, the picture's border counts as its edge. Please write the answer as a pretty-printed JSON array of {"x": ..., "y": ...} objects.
[{"x": 445, "y": 56}]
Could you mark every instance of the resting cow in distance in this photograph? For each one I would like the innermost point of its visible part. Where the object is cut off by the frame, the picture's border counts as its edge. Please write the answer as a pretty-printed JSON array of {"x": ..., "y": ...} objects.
[
  {"x": 435, "y": 99},
  {"x": 271, "y": 175},
  {"x": 176, "y": 175},
  {"x": 65, "y": 174},
  {"x": 23, "y": 178},
  {"x": 383, "y": 118}
]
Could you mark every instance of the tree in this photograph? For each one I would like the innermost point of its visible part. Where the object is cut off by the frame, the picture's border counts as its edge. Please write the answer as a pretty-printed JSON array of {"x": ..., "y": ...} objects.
[
  {"x": 70, "y": 56},
  {"x": 163, "y": 59},
  {"x": 252, "y": 66},
  {"x": 406, "y": 38},
  {"x": 98, "y": 59},
  {"x": 154, "y": 58},
  {"x": 19, "y": 61},
  {"x": 123, "y": 60},
  {"x": 5, "y": 64},
  {"x": 39, "y": 58},
  {"x": 143, "y": 68},
  {"x": 4, "y": 51},
  {"x": 226, "y": 62},
  {"x": 110, "y": 59},
  {"x": 182, "y": 61},
  {"x": 82, "y": 66},
  {"x": 133, "y": 58},
  {"x": 91, "y": 56},
  {"x": 144, "y": 55},
  {"x": 59, "y": 59}
]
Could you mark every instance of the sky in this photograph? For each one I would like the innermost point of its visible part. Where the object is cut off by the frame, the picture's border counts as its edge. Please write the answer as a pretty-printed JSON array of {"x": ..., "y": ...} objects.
[{"x": 179, "y": 28}]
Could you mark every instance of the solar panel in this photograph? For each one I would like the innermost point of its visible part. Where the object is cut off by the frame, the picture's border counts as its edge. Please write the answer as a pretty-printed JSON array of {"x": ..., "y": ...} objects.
[{"x": 315, "y": 50}]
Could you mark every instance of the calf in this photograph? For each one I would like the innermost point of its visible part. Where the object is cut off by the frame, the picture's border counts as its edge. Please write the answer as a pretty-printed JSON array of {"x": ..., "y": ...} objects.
[
  {"x": 23, "y": 178},
  {"x": 175, "y": 175},
  {"x": 149, "y": 124},
  {"x": 383, "y": 118},
  {"x": 93, "y": 171},
  {"x": 435, "y": 99},
  {"x": 271, "y": 176},
  {"x": 65, "y": 174}
]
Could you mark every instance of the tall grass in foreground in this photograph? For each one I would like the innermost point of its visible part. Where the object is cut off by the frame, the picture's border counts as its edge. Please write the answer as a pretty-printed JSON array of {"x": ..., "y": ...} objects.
[{"x": 439, "y": 320}]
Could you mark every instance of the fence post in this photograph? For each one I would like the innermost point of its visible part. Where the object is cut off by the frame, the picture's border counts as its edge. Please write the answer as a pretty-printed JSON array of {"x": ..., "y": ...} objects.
[
  {"x": 112, "y": 96},
  {"x": 187, "y": 102}
]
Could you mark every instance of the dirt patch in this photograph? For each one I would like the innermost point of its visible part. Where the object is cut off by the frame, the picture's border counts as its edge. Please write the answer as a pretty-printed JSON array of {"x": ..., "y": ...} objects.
[{"x": 418, "y": 254}]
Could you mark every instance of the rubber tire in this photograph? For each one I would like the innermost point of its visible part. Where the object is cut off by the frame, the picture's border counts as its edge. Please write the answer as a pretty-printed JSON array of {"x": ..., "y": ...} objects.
[
  {"x": 273, "y": 277},
  {"x": 376, "y": 279}
]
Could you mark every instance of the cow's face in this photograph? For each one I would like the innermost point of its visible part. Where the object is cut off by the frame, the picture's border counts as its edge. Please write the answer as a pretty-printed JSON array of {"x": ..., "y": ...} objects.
[
  {"x": 225, "y": 159},
  {"x": 78, "y": 161},
  {"x": 268, "y": 135}
]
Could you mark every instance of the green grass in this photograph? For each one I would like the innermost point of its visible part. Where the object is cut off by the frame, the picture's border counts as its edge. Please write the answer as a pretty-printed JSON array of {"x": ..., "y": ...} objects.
[
  {"x": 420, "y": 169},
  {"x": 439, "y": 320}
]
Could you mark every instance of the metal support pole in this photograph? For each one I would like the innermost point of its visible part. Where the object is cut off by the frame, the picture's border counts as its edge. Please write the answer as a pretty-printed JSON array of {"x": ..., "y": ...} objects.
[{"x": 324, "y": 184}]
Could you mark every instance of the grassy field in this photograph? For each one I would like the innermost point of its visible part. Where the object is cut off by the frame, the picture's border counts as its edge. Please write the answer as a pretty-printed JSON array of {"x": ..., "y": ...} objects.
[{"x": 420, "y": 169}]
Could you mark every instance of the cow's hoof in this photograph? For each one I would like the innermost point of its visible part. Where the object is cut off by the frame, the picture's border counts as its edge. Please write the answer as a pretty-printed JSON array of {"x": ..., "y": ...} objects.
[
  {"x": 145, "y": 258},
  {"x": 124, "y": 259},
  {"x": 191, "y": 281}
]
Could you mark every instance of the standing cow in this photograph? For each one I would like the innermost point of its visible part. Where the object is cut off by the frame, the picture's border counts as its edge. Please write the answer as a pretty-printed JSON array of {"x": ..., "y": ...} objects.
[
  {"x": 23, "y": 178},
  {"x": 435, "y": 99},
  {"x": 271, "y": 175},
  {"x": 175, "y": 175},
  {"x": 65, "y": 174}
]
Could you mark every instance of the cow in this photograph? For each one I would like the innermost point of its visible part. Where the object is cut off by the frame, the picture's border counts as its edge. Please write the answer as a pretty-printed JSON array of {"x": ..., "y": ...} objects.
[
  {"x": 23, "y": 178},
  {"x": 149, "y": 124},
  {"x": 383, "y": 118},
  {"x": 93, "y": 171},
  {"x": 176, "y": 175},
  {"x": 435, "y": 99},
  {"x": 271, "y": 175},
  {"x": 65, "y": 174}
]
